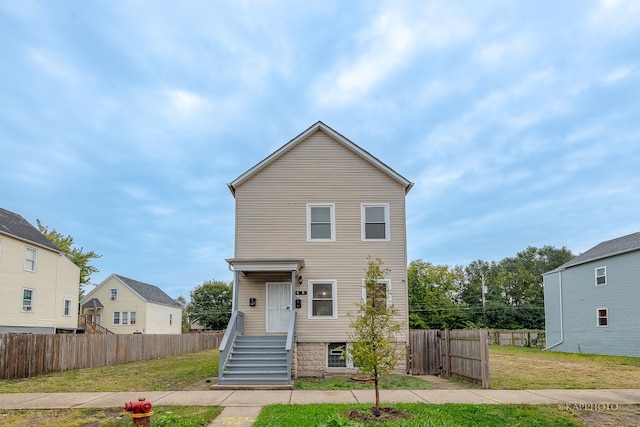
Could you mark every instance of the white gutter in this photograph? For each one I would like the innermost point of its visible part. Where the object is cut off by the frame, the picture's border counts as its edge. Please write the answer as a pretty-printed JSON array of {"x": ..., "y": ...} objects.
[{"x": 561, "y": 324}]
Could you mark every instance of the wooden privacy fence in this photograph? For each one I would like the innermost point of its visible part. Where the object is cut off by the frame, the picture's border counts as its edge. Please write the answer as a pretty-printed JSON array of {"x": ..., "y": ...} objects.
[
  {"x": 29, "y": 355},
  {"x": 462, "y": 354}
]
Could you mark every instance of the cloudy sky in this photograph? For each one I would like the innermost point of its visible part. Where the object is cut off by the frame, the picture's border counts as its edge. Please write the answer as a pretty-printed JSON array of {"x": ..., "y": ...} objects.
[{"x": 122, "y": 122}]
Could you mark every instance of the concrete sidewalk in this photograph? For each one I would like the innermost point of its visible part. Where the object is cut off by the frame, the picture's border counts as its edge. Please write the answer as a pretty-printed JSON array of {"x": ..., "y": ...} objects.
[{"x": 259, "y": 398}]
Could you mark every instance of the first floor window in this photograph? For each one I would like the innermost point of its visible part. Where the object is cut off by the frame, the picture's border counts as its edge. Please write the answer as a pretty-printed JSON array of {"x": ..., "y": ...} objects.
[
  {"x": 67, "y": 307},
  {"x": 27, "y": 300},
  {"x": 124, "y": 317},
  {"x": 381, "y": 296},
  {"x": 171, "y": 319},
  {"x": 336, "y": 353},
  {"x": 323, "y": 299},
  {"x": 603, "y": 317},
  {"x": 30, "y": 256},
  {"x": 601, "y": 276}
]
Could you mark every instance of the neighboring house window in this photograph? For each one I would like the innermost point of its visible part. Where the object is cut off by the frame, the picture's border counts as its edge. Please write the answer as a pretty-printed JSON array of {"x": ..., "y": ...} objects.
[
  {"x": 30, "y": 257},
  {"x": 321, "y": 224},
  {"x": 323, "y": 301},
  {"x": 336, "y": 355},
  {"x": 67, "y": 307},
  {"x": 27, "y": 299},
  {"x": 603, "y": 317},
  {"x": 601, "y": 276},
  {"x": 0, "y": 249},
  {"x": 124, "y": 317},
  {"x": 384, "y": 287},
  {"x": 114, "y": 294},
  {"x": 375, "y": 221},
  {"x": 171, "y": 319}
]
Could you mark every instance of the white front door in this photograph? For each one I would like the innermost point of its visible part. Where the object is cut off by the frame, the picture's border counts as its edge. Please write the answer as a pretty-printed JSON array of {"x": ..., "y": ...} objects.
[{"x": 278, "y": 306}]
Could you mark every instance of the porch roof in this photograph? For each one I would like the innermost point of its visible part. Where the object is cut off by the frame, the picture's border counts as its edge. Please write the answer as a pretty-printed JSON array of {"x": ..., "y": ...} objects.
[{"x": 266, "y": 264}]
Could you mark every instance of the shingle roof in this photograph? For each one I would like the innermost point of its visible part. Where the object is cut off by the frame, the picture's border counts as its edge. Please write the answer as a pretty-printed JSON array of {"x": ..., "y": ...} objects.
[
  {"x": 16, "y": 226},
  {"x": 606, "y": 249},
  {"x": 93, "y": 303},
  {"x": 150, "y": 293}
]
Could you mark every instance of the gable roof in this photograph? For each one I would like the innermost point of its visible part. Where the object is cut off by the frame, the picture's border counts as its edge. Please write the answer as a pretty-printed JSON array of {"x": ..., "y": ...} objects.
[
  {"x": 620, "y": 245},
  {"x": 14, "y": 225},
  {"x": 149, "y": 293},
  {"x": 336, "y": 136}
]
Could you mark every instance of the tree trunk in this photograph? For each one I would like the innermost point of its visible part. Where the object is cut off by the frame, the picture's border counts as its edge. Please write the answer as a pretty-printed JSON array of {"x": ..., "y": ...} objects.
[{"x": 376, "y": 411}]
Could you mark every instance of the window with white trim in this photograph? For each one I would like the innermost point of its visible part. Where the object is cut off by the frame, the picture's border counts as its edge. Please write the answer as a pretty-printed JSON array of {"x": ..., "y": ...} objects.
[
  {"x": 602, "y": 317},
  {"x": 114, "y": 294},
  {"x": 321, "y": 222},
  {"x": 124, "y": 317},
  {"x": 375, "y": 221},
  {"x": 67, "y": 308},
  {"x": 322, "y": 299},
  {"x": 30, "y": 259},
  {"x": 382, "y": 296},
  {"x": 601, "y": 276},
  {"x": 27, "y": 299}
]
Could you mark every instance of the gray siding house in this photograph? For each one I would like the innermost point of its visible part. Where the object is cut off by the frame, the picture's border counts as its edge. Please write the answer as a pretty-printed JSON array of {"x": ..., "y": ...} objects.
[{"x": 591, "y": 302}]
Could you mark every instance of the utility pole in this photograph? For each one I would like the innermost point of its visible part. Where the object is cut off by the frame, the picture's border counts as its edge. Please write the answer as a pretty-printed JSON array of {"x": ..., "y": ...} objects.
[{"x": 484, "y": 291}]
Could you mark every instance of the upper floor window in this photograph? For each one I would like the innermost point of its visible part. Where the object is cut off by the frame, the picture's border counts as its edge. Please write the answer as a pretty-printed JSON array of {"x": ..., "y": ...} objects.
[
  {"x": 601, "y": 276},
  {"x": 321, "y": 224},
  {"x": 27, "y": 299},
  {"x": 603, "y": 317},
  {"x": 30, "y": 257},
  {"x": 114, "y": 294},
  {"x": 322, "y": 300},
  {"x": 375, "y": 221},
  {"x": 67, "y": 308}
]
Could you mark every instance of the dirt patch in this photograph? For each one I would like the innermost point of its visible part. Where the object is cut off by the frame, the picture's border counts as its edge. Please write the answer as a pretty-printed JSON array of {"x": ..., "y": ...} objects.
[
  {"x": 608, "y": 415},
  {"x": 385, "y": 415}
]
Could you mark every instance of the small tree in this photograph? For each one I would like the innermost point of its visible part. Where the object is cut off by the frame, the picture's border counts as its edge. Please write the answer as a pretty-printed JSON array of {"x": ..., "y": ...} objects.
[{"x": 373, "y": 329}]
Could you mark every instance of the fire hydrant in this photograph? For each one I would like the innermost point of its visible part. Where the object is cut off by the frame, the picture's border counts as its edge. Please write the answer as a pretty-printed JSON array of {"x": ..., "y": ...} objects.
[{"x": 140, "y": 412}]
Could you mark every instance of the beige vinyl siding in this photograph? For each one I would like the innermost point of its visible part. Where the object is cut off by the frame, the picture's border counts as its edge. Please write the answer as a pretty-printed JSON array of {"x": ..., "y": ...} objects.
[
  {"x": 157, "y": 319},
  {"x": 56, "y": 278},
  {"x": 271, "y": 222}
]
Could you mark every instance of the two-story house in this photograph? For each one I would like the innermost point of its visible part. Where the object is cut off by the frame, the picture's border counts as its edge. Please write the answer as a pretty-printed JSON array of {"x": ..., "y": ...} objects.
[
  {"x": 38, "y": 283},
  {"x": 127, "y": 306},
  {"x": 307, "y": 218},
  {"x": 591, "y": 302}
]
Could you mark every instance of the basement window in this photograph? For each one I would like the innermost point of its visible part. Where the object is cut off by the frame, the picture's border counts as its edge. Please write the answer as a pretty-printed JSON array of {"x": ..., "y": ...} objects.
[{"x": 336, "y": 355}]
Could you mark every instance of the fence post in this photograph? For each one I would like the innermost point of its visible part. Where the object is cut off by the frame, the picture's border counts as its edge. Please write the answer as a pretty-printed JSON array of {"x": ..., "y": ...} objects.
[{"x": 484, "y": 359}]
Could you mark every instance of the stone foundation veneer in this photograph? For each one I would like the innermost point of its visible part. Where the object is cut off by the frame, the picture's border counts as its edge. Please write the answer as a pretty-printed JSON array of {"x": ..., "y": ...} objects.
[{"x": 310, "y": 360}]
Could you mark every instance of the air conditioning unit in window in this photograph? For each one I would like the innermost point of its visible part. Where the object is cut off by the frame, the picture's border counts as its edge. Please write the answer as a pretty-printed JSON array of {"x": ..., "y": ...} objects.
[
  {"x": 26, "y": 308},
  {"x": 113, "y": 298}
]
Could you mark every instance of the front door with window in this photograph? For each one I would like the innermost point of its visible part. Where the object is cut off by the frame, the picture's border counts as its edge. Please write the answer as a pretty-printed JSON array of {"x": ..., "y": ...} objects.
[{"x": 278, "y": 306}]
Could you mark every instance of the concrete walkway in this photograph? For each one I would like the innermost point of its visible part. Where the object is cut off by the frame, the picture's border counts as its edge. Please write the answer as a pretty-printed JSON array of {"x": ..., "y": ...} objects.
[{"x": 244, "y": 405}]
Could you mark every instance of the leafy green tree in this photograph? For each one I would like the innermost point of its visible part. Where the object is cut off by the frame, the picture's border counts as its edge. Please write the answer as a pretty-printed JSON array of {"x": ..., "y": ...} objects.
[
  {"x": 76, "y": 255},
  {"x": 210, "y": 304},
  {"x": 434, "y": 296},
  {"x": 373, "y": 329}
]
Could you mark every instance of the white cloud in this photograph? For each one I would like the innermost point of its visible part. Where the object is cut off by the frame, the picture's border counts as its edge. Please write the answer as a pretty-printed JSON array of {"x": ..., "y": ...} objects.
[{"x": 618, "y": 73}]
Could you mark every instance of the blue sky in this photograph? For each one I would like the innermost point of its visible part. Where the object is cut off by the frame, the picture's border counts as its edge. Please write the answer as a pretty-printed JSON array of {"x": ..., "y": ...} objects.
[{"x": 122, "y": 122}]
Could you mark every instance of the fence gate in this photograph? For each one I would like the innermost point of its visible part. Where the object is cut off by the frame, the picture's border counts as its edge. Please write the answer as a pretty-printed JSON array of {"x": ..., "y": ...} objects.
[{"x": 426, "y": 352}]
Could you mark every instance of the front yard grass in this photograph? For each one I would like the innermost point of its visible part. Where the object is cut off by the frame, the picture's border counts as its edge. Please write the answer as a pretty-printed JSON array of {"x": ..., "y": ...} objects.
[
  {"x": 167, "y": 373},
  {"x": 387, "y": 382},
  {"x": 519, "y": 368},
  {"x": 421, "y": 415}
]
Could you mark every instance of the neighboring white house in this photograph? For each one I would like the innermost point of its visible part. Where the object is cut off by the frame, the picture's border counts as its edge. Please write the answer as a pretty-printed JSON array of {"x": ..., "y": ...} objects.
[
  {"x": 307, "y": 218},
  {"x": 127, "y": 306},
  {"x": 591, "y": 302},
  {"x": 39, "y": 285}
]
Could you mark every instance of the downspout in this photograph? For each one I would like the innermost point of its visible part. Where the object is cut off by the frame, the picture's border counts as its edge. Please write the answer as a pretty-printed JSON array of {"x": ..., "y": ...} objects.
[{"x": 561, "y": 316}]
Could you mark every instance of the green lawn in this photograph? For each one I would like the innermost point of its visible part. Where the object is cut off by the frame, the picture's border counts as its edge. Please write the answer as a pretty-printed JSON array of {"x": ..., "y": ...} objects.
[{"x": 422, "y": 415}]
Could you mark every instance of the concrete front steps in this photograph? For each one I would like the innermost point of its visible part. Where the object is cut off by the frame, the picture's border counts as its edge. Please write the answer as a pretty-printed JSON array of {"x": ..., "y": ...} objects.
[{"x": 257, "y": 361}]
